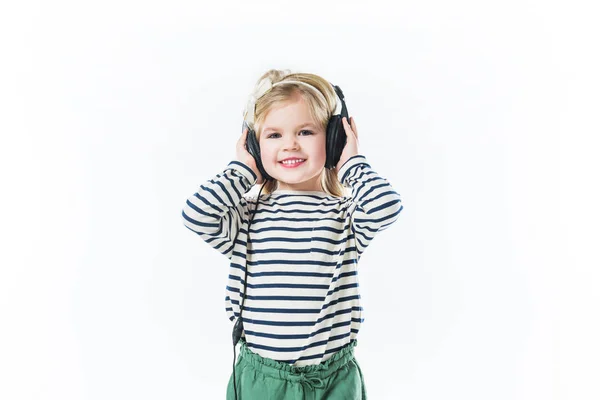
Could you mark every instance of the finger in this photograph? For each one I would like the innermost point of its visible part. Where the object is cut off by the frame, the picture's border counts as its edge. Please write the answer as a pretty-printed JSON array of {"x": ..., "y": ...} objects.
[
  {"x": 353, "y": 124},
  {"x": 346, "y": 124},
  {"x": 242, "y": 138},
  {"x": 241, "y": 144},
  {"x": 349, "y": 130}
]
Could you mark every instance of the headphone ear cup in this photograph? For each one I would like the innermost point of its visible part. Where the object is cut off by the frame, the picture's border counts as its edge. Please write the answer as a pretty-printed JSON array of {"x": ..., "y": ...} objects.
[
  {"x": 336, "y": 134},
  {"x": 254, "y": 149},
  {"x": 335, "y": 141}
]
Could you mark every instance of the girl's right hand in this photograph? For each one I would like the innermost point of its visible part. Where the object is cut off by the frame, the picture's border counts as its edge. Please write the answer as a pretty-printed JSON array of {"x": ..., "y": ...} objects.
[{"x": 245, "y": 157}]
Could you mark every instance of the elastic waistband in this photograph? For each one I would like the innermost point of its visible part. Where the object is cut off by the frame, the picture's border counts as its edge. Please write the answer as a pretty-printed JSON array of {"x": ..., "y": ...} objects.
[{"x": 312, "y": 375}]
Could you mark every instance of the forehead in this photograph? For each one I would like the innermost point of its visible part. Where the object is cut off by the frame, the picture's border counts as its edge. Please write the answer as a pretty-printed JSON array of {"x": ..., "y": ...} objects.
[{"x": 289, "y": 115}]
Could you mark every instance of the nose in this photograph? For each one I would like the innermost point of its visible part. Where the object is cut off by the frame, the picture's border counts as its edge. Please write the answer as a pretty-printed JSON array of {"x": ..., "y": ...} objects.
[{"x": 291, "y": 142}]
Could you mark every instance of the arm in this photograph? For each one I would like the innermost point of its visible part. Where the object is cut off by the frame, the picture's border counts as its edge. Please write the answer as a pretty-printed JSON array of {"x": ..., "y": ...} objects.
[
  {"x": 218, "y": 210},
  {"x": 376, "y": 205}
]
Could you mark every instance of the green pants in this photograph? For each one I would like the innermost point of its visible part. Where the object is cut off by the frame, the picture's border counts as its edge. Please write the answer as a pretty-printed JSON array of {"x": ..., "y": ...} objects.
[{"x": 259, "y": 378}]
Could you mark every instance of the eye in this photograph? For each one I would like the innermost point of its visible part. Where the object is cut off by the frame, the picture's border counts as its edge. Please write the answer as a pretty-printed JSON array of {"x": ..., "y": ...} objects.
[{"x": 304, "y": 130}]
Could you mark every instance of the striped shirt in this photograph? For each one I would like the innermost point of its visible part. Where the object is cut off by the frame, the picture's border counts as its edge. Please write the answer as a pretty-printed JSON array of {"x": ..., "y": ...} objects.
[{"x": 302, "y": 297}]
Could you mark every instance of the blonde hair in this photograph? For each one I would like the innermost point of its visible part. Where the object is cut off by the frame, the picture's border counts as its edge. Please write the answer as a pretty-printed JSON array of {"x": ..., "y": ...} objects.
[{"x": 319, "y": 111}]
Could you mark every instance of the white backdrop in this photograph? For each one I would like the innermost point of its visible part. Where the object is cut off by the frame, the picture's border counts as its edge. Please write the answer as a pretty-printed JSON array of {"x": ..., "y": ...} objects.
[{"x": 482, "y": 115}]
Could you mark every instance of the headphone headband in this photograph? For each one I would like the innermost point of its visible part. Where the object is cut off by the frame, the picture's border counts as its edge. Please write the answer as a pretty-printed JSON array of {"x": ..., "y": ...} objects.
[{"x": 265, "y": 85}]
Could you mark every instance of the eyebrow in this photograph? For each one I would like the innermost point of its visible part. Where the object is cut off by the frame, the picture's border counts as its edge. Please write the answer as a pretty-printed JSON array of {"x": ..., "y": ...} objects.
[{"x": 306, "y": 124}]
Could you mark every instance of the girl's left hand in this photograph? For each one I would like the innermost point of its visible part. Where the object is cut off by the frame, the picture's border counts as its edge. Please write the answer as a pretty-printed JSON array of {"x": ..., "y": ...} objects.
[{"x": 351, "y": 147}]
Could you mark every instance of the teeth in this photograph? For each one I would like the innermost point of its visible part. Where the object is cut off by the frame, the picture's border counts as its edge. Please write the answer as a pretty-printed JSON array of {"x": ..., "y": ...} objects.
[{"x": 292, "y": 162}]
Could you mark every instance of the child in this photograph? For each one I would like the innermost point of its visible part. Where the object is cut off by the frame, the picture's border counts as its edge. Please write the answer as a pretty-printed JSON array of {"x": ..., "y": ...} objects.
[{"x": 301, "y": 313}]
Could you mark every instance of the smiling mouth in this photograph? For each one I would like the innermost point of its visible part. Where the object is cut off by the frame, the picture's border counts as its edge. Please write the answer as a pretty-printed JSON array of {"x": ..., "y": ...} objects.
[{"x": 292, "y": 163}]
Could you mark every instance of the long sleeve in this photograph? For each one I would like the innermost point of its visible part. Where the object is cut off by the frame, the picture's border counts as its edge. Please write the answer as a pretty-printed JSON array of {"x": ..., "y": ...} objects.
[
  {"x": 217, "y": 211},
  {"x": 376, "y": 205}
]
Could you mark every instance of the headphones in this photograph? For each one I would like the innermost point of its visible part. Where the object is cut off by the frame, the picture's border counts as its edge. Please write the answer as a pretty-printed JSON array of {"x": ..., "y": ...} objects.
[
  {"x": 335, "y": 141},
  {"x": 335, "y": 138}
]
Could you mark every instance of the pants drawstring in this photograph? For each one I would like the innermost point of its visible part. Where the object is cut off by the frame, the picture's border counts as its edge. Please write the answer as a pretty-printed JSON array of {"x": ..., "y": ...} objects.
[{"x": 311, "y": 380}]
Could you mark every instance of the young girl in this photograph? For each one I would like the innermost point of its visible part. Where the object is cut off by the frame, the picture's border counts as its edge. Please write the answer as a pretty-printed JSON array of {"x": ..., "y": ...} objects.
[{"x": 299, "y": 259}]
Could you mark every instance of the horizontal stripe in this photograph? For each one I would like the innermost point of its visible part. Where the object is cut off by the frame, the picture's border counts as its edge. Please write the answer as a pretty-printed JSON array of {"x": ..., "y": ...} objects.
[{"x": 300, "y": 253}]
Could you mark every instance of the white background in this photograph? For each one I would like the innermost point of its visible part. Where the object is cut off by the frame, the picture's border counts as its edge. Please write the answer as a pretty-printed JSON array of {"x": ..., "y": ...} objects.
[{"x": 483, "y": 115}]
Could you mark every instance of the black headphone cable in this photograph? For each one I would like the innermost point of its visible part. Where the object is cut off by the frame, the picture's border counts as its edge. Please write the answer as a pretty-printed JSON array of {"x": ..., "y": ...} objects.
[{"x": 238, "y": 327}]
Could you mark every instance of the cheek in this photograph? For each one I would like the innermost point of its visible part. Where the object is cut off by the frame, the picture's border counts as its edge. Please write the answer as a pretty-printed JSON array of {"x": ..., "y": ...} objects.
[
  {"x": 267, "y": 151},
  {"x": 320, "y": 150}
]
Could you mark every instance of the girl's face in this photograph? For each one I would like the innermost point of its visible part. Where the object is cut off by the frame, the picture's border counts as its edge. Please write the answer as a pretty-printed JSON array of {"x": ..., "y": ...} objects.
[{"x": 289, "y": 132}]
